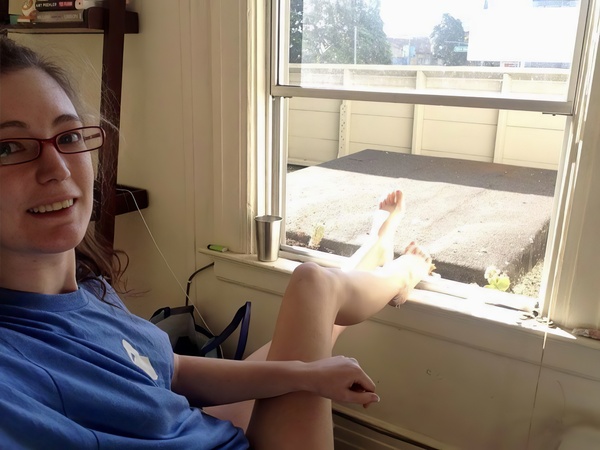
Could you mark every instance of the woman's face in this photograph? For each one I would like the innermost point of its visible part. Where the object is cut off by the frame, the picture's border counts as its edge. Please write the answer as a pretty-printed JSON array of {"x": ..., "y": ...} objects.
[{"x": 33, "y": 105}]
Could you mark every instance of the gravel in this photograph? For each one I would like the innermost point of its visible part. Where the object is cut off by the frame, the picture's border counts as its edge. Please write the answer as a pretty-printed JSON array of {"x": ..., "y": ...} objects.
[{"x": 529, "y": 284}]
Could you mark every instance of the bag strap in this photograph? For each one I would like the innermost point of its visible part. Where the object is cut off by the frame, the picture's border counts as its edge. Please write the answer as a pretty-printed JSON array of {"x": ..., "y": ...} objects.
[
  {"x": 245, "y": 328},
  {"x": 241, "y": 316},
  {"x": 165, "y": 312}
]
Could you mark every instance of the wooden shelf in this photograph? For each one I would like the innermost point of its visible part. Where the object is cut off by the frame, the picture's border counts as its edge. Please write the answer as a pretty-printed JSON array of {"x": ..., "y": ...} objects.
[
  {"x": 127, "y": 199},
  {"x": 130, "y": 201},
  {"x": 95, "y": 20}
]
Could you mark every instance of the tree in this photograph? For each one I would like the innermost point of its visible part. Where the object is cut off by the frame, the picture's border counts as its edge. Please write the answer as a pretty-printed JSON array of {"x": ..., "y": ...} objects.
[
  {"x": 296, "y": 19},
  {"x": 338, "y": 32},
  {"x": 446, "y": 38}
]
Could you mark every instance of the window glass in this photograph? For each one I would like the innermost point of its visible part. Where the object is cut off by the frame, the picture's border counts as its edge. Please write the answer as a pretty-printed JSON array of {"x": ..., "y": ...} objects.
[
  {"x": 479, "y": 181},
  {"x": 479, "y": 193},
  {"x": 492, "y": 48}
]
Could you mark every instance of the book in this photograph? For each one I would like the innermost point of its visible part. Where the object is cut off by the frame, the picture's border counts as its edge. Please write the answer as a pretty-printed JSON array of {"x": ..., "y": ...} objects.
[
  {"x": 23, "y": 19},
  {"x": 67, "y": 5},
  {"x": 58, "y": 16}
]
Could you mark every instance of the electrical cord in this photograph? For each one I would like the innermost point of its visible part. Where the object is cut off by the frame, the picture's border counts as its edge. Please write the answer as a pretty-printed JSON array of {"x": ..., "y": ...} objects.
[
  {"x": 186, "y": 291},
  {"x": 189, "y": 281}
]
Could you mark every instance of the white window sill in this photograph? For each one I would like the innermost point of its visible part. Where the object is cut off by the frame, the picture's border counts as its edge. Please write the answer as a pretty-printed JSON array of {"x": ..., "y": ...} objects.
[{"x": 470, "y": 322}]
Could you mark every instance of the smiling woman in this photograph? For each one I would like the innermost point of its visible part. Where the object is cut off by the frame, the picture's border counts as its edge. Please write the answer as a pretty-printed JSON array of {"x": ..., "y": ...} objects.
[
  {"x": 30, "y": 223},
  {"x": 49, "y": 88}
]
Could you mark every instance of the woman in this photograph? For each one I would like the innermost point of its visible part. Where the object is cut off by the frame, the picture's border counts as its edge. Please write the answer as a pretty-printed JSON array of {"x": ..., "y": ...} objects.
[{"x": 79, "y": 371}]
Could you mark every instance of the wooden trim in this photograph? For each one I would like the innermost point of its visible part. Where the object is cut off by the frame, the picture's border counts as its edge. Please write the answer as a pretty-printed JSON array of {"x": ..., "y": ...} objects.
[{"x": 110, "y": 109}]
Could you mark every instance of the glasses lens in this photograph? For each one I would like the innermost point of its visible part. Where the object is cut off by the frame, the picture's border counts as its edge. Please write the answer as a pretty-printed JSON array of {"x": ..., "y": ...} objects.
[
  {"x": 80, "y": 140},
  {"x": 18, "y": 151}
]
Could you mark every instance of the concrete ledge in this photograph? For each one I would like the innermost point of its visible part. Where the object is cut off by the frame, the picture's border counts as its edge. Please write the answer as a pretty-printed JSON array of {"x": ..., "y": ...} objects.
[{"x": 468, "y": 214}]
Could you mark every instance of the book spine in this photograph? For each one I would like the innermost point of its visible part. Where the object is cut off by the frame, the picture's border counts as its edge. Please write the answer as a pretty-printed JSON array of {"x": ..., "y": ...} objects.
[
  {"x": 66, "y": 5},
  {"x": 58, "y": 16}
]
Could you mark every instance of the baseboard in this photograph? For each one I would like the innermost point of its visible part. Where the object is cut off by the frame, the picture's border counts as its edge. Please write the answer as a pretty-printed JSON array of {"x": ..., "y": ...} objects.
[{"x": 351, "y": 435}]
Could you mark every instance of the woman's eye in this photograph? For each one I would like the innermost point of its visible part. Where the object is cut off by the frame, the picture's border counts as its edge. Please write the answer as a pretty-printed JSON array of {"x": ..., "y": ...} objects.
[
  {"x": 7, "y": 148},
  {"x": 69, "y": 138}
]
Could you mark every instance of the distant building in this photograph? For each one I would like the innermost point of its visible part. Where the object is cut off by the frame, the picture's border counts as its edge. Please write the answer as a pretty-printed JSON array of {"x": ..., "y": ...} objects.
[{"x": 414, "y": 51}]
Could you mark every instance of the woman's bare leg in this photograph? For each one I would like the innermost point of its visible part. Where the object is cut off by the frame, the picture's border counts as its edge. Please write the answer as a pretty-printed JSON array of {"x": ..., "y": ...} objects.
[
  {"x": 374, "y": 253},
  {"x": 378, "y": 250},
  {"x": 315, "y": 300}
]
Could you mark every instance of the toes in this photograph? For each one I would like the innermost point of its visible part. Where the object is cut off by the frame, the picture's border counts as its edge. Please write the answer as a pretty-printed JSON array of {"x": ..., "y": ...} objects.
[
  {"x": 397, "y": 301},
  {"x": 394, "y": 199},
  {"x": 386, "y": 201},
  {"x": 414, "y": 249},
  {"x": 411, "y": 248}
]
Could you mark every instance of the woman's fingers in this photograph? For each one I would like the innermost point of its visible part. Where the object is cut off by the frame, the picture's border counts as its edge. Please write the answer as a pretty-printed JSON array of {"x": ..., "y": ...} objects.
[
  {"x": 363, "y": 392},
  {"x": 342, "y": 379},
  {"x": 362, "y": 396}
]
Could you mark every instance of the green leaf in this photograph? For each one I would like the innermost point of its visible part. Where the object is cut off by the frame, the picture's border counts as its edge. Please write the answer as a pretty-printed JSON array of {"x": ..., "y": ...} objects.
[{"x": 502, "y": 283}]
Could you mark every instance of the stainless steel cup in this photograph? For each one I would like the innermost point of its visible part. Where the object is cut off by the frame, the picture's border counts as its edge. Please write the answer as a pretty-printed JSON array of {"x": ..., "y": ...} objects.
[{"x": 268, "y": 231}]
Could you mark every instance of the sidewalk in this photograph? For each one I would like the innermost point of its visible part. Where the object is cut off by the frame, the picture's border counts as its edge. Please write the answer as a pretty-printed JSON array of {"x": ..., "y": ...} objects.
[{"x": 468, "y": 214}]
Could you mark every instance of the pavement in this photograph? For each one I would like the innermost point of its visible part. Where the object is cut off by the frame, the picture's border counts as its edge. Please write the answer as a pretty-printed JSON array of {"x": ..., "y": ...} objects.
[{"x": 468, "y": 214}]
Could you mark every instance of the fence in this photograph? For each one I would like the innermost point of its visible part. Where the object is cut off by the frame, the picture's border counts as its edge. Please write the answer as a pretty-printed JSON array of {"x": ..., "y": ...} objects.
[{"x": 321, "y": 130}]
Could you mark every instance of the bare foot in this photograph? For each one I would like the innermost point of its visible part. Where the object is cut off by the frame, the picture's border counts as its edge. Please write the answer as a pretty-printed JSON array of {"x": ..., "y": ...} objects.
[
  {"x": 416, "y": 264},
  {"x": 379, "y": 250},
  {"x": 393, "y": 205}
]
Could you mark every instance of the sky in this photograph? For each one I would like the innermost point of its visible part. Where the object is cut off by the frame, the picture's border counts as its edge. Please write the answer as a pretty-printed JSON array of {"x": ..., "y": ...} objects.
[
  {"x": 424, "y": 15},
  {"x": 536, "y": 34},
  {"x": 418, "y": 17}
]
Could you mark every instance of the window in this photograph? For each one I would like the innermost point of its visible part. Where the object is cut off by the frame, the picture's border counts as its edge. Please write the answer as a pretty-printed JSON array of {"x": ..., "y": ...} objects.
[
  {"x": 465, "y": 105},
  {"x": 453, "y": 53}
]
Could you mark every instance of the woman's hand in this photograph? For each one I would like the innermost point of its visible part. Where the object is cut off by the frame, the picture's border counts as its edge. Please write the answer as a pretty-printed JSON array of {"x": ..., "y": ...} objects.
[{"x": 340, "y": 379}]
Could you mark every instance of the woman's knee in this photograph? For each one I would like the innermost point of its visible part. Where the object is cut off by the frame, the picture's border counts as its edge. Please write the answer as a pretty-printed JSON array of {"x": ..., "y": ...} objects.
[{"x": 310, "y": 276}]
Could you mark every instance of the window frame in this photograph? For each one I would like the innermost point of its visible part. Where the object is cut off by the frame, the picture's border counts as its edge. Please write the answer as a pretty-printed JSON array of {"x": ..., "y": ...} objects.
[
  {"x": 566, "y": 178},
  {"x": 278, "y": 88}
]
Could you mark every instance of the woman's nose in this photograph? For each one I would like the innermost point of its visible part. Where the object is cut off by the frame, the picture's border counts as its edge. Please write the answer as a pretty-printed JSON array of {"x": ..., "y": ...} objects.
[{"x": 51, "y": 164}]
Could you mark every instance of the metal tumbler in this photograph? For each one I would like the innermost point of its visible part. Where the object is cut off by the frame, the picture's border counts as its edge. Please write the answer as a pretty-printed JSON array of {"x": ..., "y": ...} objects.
[{"x": 268, "y": 230}]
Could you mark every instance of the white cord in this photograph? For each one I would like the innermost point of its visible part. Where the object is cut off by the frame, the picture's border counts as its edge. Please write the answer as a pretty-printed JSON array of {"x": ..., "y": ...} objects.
[{"x": 165, "y": 259}]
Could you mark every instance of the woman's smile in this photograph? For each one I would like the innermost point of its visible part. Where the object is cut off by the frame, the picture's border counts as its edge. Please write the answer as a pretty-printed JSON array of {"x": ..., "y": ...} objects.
[{"x": 52, "y": 207}]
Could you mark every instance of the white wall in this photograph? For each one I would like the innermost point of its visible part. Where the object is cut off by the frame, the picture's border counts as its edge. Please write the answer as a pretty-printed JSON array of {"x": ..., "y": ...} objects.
[{"x": 156, "y": 154}]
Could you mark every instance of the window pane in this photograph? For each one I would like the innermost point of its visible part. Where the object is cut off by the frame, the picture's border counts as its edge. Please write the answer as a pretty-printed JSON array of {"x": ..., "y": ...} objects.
[
  {"x": 477, "y": 158},
  {"x": 479, "y": 183},
  {"x": 520, "y": 49}
]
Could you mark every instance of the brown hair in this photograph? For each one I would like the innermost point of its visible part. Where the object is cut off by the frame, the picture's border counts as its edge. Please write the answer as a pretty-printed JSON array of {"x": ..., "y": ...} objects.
[{"x": 95, "y": 256}]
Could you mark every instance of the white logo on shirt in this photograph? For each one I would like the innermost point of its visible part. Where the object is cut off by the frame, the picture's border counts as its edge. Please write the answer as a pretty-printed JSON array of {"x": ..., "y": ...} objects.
[{"x": 141, "y": 361}]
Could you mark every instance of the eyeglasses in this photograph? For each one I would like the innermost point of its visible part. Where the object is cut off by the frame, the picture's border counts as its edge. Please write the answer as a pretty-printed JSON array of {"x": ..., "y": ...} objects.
[{"x": 77, "y": 140}]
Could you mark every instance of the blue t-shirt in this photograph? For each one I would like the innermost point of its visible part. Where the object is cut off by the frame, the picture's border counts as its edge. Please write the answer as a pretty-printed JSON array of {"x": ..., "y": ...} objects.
[{"x": 80, "y": 373}]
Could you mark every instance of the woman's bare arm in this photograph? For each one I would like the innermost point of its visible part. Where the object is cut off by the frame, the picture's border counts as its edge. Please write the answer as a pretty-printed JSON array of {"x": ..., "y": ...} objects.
[{"x": 212, "y": 381}]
